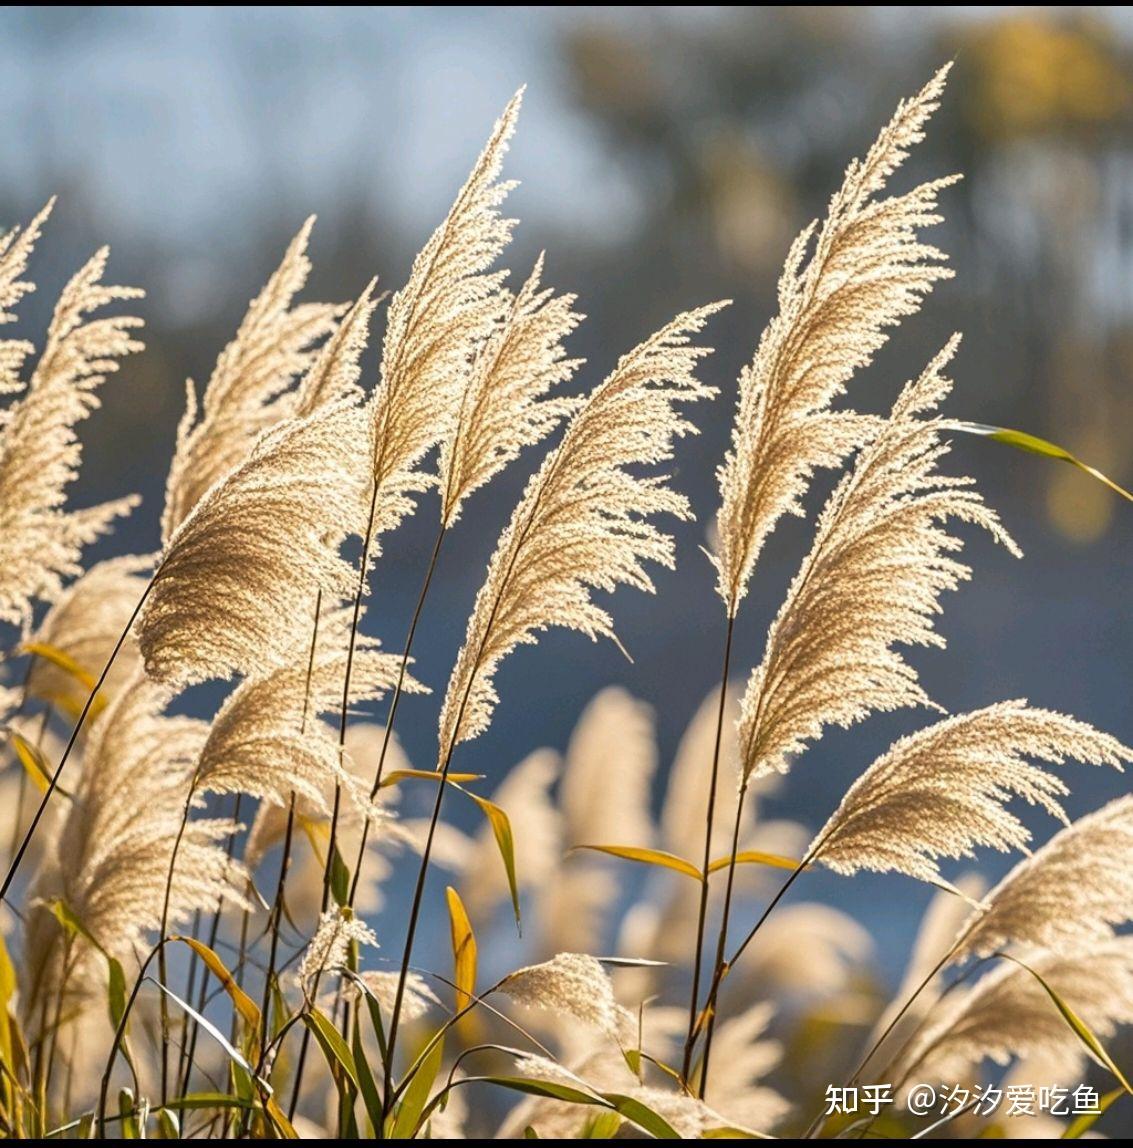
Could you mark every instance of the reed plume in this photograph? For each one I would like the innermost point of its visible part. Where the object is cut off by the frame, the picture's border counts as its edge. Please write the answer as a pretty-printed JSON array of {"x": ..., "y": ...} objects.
[
  {"x": 603, "y": 798},
  {"x": 880, "y": 560},
  {"x": 1009, "y": 1014},
  {"x": 867, "y": 270},
  {"x": 238, "y": 578},
  {"x": 610, "y": 763},
  {"x": 573, "y": 984},
  {"x": 745, "y": 1055},
  {"x": 503, "y": 408},
  {"x": 943, "y": 791},
  {"x": 329, "y": 948},
  {"x": 40, "y": 542},
  {"x": 437, "y": 324},
  {"x": 418, "y": 998},
  {"x": 259, "y": 743},
  {"x": 1084, "y": 866},
  {"x": 16, "y": 249},
  {"x": 335, "y": 372},
  {"x": 111, "y": 861},
  {"x": 276, "y": 343},
  {"x": 583, "y": 522}
]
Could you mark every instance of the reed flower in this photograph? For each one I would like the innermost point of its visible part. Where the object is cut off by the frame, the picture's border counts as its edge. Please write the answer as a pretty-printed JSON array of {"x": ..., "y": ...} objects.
[
  {"x": 277, "y": 342},
  {"x": 845, "y": 284},
  {"x": 584, "y": 521},
  {"x": 40, "y": 542},
  {"x": 880, "y": 561},
  {"x": 943, "y": 791}
]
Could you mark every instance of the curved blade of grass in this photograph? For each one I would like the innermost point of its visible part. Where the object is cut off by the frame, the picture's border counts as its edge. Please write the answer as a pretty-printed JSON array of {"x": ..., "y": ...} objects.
[
  {"x": 244, "y": 1004},
  {"x": 367, "y": 1086},
  {"x": 234, "y": 1054},
  {"x": 334, "y": 1047},
  {"x": 416, "y": 1095},
  {"x": 68, "y": 665},
  {"x": 116, "y": 978},
  {"x": 396, "y": 776},
  {"x": 7, "y": 992},
  {"x": 505, "y": 842},
  {"x": 1080, "y": 1125},
  {"x": 464, "y": 951},
  {"x": 633, "y": 1110},
  {"x": 657, "y": 857},
  {"x": 1032, "y": 444},
  {"x": 1081, "y": 1029},
  {"x": 34, "y": 763},
  {"x": 755, "y": 857},
  {"x": 602, "y": 1127}
]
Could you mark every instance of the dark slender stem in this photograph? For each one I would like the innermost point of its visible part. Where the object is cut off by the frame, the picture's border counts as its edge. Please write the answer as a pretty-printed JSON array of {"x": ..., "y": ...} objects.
[
  {"x": 721, "y": 944},
  {"x": 214, "y": 932},
  {"x": 119, "y": 1036},
  {"x": 162, "y": 966},
  {"x": 50, "y": 791},
  {"x": 397, "y": 692},
  {"x": 726, "y": 966},
  {"x": 363, "y": 566},
  {"x": 273, "y": 926},
  {"x": 422, "y": 873},
  {"x": 414, "y": 914},
  {"x": 710, "y": 816}
]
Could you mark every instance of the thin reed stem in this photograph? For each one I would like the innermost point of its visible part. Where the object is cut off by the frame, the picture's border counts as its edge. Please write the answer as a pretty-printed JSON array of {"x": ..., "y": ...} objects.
[
  {"x": 721, "y": 942},
  {"x": 162, "y": 964},
  {"x": 709, "y": 818},
  {"x": 45, "y": 800},
  {"x": 214, "y": 933},
  {"x": 442, "y": 781},
  {"x": 394, "y": 702},
  {"x": 367, "y": 542}
]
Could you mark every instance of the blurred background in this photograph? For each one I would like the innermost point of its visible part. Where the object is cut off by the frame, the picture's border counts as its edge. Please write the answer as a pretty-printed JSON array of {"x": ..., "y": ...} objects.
[{"x": 667, "y": 157}]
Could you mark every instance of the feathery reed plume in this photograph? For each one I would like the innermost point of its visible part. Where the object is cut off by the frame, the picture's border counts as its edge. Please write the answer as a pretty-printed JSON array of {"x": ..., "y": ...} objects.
[
  {"x": 500, "y": 410},
  {"x": 258, "y": 744},
  {"x": 84, "y": 623},
  {"x": 880, "y": 561},
  {"x": 335, "y": 373},
  {"x": 942, "y": 791},
  {"x": 868, "y": 270},
  {"x": 1084, "y": 866},
  {"x": 436, "y": 325},
  {"x": 276, "y": 343},
  {"x": 235, "y": 584},
  {"x": 418, "y": 998},
  {"x": 112, "y": 860},
  {"x": 330, "y": 946},
  {"x": 16, "y": 247},
  {"x": 583, "y": 521},
  {"x": 269, "y": 826},
  {"x": 570, "y": 983},
  {"x": 39, "y": 451},
  {"x": 1008, "y": 1013}
]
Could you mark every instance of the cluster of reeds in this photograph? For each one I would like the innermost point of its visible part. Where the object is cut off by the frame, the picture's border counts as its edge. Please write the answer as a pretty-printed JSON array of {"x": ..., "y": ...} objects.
[{"x": 190, "y": 945}]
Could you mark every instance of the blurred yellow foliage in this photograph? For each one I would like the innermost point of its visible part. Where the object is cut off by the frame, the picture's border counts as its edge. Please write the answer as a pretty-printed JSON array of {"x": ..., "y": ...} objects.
[{"x": 1034, "y": 72}]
